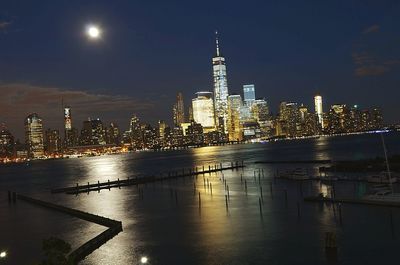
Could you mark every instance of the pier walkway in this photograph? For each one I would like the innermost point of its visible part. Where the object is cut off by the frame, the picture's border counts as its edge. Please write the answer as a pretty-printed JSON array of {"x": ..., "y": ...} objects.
[
  {"x": 86, "y": 188},
  {"x": 114, "y": 227}
]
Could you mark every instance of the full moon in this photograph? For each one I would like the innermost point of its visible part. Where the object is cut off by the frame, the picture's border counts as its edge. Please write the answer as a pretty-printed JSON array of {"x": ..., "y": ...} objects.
[{"x": 93, "y": 32}]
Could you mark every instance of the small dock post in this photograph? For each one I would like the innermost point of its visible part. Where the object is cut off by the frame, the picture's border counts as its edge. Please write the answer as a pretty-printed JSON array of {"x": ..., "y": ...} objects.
[
  {"x": 245, "y": 186},
  {"x": 298, "y": 211},
  {"x": 260, "y": 206},
  {"x": 392, "y": 225},
  {"x": 286, "y": 202},
  {"x": 331, "y": 246},
  {"x": 199, "y": 203},
  {"x": 270, "y": 191},
  {"x": 226, "y": 202}
]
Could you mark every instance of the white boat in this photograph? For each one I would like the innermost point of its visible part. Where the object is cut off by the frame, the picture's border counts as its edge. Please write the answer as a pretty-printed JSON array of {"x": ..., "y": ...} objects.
[
  {"x": 384, "y": 196},
  {"x": 382, "y": 178}
]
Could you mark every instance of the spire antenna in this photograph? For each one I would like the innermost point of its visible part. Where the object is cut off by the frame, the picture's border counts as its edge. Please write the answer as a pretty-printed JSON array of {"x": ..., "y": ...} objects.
[{"x": 216, "y": 42}]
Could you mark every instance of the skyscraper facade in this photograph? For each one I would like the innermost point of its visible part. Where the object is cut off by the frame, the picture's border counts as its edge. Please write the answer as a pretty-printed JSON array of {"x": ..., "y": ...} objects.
[
  {"x": 319, "y": 110},
  {"x": 34, "y": 136},
  {"x": 220, "y": 88},
  {"x": 203, "y": 110},
  {"x": 179, "y": 110},
  {"x": 7, "y": 144},
  {"x": 69, "y": 134},
  {"x": 235, "y": 130},
  {"x": 249, "y": 94}
]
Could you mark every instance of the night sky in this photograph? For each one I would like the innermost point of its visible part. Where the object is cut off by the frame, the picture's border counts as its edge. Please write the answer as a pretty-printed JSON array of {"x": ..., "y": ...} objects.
[{"x": 349, "y": 51}]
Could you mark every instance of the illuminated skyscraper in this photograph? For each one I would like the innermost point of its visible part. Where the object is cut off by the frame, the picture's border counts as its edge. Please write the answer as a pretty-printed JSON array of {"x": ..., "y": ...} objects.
[
  {"x": 249, "y": 94},
  {"x": 235, "y": 130},
  {"x": 161, "y": 129},
  {"x": 34, "y": 136},
  {"x": 6, "y": 143},
  {"x": 69, "y": 134},
  {"x": 319, "y": 110},
  {"x": 93, "y": 132},
  {"x": 220, "y": 88},
  {"x": 179, "y": 110},
  {"x": 203, "y": 110},
  {"x": 52, "y": 142}
]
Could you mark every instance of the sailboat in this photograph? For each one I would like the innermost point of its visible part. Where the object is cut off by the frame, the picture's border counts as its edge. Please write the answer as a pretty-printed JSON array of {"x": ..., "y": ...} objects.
[{"x": 385, "y": 195}]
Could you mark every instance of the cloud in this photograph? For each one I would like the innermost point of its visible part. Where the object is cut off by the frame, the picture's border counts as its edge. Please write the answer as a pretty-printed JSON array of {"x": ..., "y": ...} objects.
[
  {"x": 19, "y": 100},
  {"x": 372, "y": 29},
  {"x": 375, "y": 54},
  {"x": 4, "y": 25},
  {"x": 372, "y": 70},
  {"x": 369, "y": 65}
]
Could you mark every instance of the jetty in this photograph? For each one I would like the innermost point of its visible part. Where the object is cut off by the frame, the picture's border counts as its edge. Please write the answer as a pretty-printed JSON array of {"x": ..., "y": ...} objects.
[
  {"x": 318, "y": 161},
  {"x": 86, "y": 188},
  {"x": 114, "y": 227},
  {"x": 353, "y": 201}
]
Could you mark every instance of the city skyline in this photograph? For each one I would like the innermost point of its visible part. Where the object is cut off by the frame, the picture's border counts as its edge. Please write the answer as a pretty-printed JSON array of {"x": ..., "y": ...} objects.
[{"x": 356, "y": 66}]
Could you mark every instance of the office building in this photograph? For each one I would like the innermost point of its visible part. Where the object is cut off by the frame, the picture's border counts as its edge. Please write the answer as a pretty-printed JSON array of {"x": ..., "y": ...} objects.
[
  {"x": 203, "y": 110},
  {"x": 34, "y": 136},
  {"x": 179, "y": 110},
  {"x": 234, "y": 126},
  {"x": 220, "y": 88},
  {"x": 249, "y": 95}
]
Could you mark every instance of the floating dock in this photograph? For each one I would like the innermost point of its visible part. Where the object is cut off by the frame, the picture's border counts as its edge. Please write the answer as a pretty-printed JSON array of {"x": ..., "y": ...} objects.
[
  {"x": 353, "y": 201},
  {"x": 319, "y": 161},
  {"x": 114, "y": 227},
  {"x": 86, "y": 188}
]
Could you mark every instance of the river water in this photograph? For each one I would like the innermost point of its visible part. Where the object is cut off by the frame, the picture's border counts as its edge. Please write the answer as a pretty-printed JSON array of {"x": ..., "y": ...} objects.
[{"x": 175, "y": 230}]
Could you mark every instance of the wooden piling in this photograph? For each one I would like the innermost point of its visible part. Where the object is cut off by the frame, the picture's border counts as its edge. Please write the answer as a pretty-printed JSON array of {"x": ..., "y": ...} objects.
[
  {"x": 298, "y": 210},
  {"x": 286, "y": 199},
  {"x": 261, "y": 194},
  {"x": 226, "y": 202},
  {"x": 392, "y": 225},
  {"x": 259, "y": 205},
  {"x": 211, "y": 188},
  {"x": 245, "y": 186},
  {"x": 270, "y": 191},
  {"x": 199, "y": 201},
  {"x": 227, "y": 188},
  {"x": 340, "y": 213}
]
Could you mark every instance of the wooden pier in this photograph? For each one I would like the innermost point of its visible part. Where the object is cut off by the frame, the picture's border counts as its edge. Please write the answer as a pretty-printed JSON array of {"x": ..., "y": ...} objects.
[
  {"x": 353, "y": 201},
  {"x": 317, "y": 161},
  {"x": 114, "y": 227},
  {"x": 86, "y": 188}
]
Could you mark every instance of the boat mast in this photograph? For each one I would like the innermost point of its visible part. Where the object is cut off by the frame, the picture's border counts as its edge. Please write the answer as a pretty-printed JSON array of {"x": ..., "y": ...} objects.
[{"x": 387, "y": 163}]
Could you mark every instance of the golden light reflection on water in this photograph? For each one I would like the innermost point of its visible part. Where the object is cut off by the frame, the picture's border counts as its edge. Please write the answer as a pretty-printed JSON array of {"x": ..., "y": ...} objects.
[
  {"x": 105, "y": 167},
  {"x": 321, "y": 149}
]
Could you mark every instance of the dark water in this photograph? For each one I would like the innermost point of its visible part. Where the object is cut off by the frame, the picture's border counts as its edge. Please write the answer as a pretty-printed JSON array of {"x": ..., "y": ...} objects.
[{"x": 170, "y": 231}]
